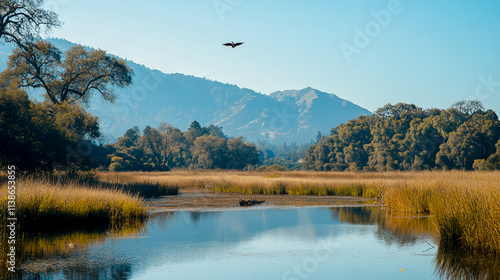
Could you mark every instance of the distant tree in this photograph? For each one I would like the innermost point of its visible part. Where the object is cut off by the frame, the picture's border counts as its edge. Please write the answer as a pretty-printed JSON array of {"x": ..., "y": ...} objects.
[
  {"x": 69, "y": 78},
  {"x": 177, "y": 151},
  {"x": 216, "y": 131},
  {"x": 155, "y": 146},
  {"x": 406, "y": 137},
  {"x": 21, "y": 21},
  {"x": 128, "y": 154},
  {"x": 195, "y": 125},
  {"x": 318, "y": 137},
  {"x": 194, "y": 131},
  {"x": 468, "y": 107},
  {"x": 421, "y": 144},
  {"x": 474, "y": 139},
  {"x": 493, "y": 161},
  {"x": 209, "y": 152},
  {"x": 241, "y": 154}
]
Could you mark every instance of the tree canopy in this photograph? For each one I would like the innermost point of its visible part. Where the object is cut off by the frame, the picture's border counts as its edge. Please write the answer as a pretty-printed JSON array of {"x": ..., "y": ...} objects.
[
  {"x": 71, "y": 77},
  {"x": 168, "y": 147},
  {"x": 21, "y": 21},
  {"x": 407, "y": 137}
]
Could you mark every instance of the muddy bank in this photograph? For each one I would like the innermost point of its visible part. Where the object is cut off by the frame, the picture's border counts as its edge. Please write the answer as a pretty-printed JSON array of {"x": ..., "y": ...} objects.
[{"x": 196, "y": 199}]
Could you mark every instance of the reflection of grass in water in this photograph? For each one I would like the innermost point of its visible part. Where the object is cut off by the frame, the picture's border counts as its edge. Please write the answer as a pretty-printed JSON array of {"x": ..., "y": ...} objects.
[
  {"x": 32, "y": 246},
  {"x": 400, "y": 229},
  {"x": 458, "y": 263},
  {"x": 35, "y": 245},
  {"x": 359, "y": 215}
]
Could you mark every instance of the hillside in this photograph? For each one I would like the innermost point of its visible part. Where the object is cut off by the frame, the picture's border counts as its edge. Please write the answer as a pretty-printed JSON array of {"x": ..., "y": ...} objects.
[{"x": 155, "y": 97}]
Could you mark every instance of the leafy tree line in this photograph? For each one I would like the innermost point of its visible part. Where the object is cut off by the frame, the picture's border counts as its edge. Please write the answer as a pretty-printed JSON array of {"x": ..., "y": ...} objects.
[
  {"x": 407, "y": 137},
  {"x": 286, "y": 155},
  {"x": 168, "y": 147}
]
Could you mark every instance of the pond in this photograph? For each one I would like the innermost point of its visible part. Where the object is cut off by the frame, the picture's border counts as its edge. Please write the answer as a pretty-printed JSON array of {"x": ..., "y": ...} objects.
[{"x": 259, "y": 243}]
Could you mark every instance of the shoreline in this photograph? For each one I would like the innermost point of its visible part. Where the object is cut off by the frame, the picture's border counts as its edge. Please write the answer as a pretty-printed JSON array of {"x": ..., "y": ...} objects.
[{"x": 202, "y": 200}]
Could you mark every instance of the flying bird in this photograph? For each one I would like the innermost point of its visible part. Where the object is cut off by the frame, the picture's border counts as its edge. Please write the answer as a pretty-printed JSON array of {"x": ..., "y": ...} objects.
[{"x": 233, "y": 44}]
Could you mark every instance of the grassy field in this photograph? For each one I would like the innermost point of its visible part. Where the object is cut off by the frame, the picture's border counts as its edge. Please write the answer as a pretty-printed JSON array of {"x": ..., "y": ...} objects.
[{"x": 465, "y": 205}]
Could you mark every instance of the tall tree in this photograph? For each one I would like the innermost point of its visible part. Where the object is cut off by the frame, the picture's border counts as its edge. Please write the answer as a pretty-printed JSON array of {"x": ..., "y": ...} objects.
[
  {"x": 241, "y": 154},
  {"x": 209, "y": 152},
  {"x": 71, "y": 77},
  {"x": 21, "y": 21}
]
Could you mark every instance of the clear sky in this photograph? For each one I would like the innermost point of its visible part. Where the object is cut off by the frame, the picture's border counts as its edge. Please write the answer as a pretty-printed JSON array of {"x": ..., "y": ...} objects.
[{"x": 430, "y": 53}]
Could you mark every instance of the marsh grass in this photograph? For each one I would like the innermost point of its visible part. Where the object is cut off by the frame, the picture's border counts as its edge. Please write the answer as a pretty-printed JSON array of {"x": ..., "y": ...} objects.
[
  {"x": 131, "y": 183},
  {"x": 465, "y": 206},
  {"x": 280, "y": 183},
  {"x": 42, "y": 205}
]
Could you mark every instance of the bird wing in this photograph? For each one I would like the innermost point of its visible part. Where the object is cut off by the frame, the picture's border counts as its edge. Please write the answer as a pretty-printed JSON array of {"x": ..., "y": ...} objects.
[
  {"x": 227, "y": 44},
  {"x": 237, "y": 44}
]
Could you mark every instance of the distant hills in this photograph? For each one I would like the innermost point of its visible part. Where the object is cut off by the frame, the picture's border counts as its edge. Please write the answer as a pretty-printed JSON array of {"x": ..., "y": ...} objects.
[{"x": 155, "y": 97}]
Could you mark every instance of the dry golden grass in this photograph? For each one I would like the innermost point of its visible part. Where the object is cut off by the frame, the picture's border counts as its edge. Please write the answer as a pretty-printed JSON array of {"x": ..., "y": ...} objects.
[
  {"x": 292, "y": 183},
  {"x": 43, "y": 205}
]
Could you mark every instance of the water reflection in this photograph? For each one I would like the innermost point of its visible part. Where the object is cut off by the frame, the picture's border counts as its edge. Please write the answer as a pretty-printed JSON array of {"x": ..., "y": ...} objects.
[
  {"x": 451, "y": 261},
  {"x": 456, "y": 263},
  {"x": 399, "y": 230},
  {"x": 360, "y": 242},
  {"x": 38, "y": 255}
]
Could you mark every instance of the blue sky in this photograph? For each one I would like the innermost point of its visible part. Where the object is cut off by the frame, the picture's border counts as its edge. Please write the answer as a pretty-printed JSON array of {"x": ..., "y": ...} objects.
[{"x": 430, "y": 53}]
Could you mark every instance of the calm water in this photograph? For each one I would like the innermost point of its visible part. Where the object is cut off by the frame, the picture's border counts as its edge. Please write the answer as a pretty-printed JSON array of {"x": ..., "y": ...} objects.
[{"x": 301, "y": 243}]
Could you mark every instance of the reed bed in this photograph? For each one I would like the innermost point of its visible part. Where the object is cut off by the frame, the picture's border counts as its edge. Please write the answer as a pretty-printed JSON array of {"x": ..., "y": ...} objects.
[
  {"x": 464, "y": 205},
  {"x": 42, "y": 205},
  {"x": 131, "y": 183},
  {"x": 281, "y": 183}
]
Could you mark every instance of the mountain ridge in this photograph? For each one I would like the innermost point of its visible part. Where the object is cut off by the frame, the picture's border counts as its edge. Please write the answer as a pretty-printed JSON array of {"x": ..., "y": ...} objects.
[{"x": 178, "y": 99}]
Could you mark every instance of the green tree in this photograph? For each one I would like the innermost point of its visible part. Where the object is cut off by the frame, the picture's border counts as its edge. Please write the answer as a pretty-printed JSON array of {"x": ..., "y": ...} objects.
[
  {"x": 209, "y": 152},
  {"x": 474, "y": 139},
  {"x": 69, "y": 78},
  {"x": 34, "y": 137},
  {"x": 241, "y": 154},
  {"x": 421, "y": 144},
  {"x": 129, "y": 154},
  {"x": 493, "y": 161}
]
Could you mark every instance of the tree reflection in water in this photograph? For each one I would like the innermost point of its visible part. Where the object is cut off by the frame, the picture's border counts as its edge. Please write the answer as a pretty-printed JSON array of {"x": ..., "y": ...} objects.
[{"x": 452, "y": 261}]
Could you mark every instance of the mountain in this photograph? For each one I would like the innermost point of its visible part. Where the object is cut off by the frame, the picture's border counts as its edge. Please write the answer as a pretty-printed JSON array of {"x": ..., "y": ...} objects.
[{"x": 155, "y": 97}]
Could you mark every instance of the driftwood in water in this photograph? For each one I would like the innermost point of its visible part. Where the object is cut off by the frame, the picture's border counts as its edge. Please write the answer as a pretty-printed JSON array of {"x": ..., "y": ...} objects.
[{"x": 250, "y": 202}]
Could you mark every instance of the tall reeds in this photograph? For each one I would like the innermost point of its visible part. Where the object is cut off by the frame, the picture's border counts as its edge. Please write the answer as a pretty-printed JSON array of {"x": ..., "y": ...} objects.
[
  {"x": 42, "y": 205},
  {"x": 465, "y": 206}
]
